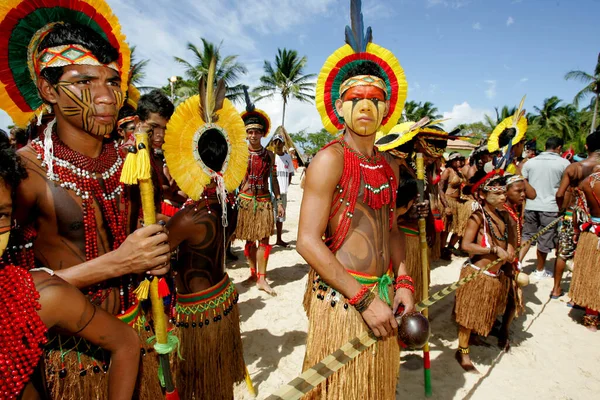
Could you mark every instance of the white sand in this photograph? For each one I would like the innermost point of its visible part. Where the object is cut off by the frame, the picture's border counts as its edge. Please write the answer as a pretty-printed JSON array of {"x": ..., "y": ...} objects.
[{"x": 552, "y": 356}]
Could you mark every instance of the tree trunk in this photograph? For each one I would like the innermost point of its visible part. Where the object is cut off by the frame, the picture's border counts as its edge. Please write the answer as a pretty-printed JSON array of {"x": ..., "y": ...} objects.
[
  {"x": 595, "y": 113},
  {"x": 283, "y": 116}
]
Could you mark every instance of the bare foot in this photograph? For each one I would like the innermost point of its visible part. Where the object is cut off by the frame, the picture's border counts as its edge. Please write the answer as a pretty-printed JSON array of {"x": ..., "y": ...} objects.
[
  {"x": 262, "y": 284},
  {"x": 281, "y": 243},
  {"x": 464, "y": 360}
]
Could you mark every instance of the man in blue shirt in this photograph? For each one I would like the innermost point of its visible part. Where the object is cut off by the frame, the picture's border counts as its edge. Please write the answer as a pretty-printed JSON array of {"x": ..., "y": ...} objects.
[{"x": 544, "y": 174}]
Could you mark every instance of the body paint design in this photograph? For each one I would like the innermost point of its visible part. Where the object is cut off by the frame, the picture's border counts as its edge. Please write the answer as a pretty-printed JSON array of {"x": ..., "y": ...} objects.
[
  {"x": 84, "y": 109},
  {"x": 363, "y": 109}
]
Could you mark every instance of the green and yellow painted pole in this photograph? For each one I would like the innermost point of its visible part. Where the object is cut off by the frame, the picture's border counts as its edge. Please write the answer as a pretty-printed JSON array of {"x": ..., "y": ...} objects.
[{"x": 425, "y": 266}]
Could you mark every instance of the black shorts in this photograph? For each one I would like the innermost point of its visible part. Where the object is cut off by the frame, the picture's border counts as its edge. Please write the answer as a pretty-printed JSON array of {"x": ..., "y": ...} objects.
[{"x": 535, "y": 221}]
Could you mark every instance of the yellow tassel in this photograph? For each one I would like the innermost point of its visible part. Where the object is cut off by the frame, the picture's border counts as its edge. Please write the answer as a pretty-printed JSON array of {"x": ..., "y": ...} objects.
[
  {"x": 128, "y": 172},
  {"x": 158, "y": 313},
  {"x": 143, "y": 157},
  {"x": 142, "y": 291}
]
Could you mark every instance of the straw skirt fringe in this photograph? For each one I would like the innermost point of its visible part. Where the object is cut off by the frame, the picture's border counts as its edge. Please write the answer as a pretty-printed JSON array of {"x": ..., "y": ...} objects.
[
  {"x": 253, "y": 225},
  {"x": 372, "y": 375},
  {"x": 585, "y": 284},
  {"x": 461, "y": 211},
  {"x": 414, "y": 265},
  {"x": 479, "y": 302}
]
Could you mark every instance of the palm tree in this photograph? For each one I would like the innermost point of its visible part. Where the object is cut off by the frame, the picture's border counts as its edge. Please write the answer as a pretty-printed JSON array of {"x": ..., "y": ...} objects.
[
  {"x": 504, "y": 113},
  {"x": 551, "y": 116},
  {"x": 414, "y": 111},
  {"x": 592, "y": 82},
  {"x": 227, "y": 69},
  {"x": 287, "y": 79},
  {"x": 137, "y": 73}
]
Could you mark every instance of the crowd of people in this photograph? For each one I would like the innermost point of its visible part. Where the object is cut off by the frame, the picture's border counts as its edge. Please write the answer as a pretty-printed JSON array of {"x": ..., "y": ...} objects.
[{"x": 94, "y": 162}]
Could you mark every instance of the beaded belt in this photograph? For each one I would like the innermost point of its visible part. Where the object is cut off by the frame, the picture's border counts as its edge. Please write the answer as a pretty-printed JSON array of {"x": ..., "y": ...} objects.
[
  {"x": 475, "y": 267},
  {"x": 324, "y": 292},
  {"x": 198, "y": 309}
]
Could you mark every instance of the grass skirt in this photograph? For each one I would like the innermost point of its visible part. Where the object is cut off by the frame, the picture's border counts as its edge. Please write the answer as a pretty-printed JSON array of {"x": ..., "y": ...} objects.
[
  {"x": 461, "y": 211},
  {"x": 255, "y": 218},
  {"x": 479, "y": 302},
  {"x": 208, "y": 327},
  {"x": 372, "y": 375},
  {"x": 585, "y": 284},
  {"x": 414, "y": 265},
  {"x": 74, "y": 355}
]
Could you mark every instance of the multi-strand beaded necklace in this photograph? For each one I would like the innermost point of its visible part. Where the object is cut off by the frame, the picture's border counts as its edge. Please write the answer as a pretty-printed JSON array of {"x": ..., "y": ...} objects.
[
  {"x": 23, "y": 334},
  {"x": 379, "y": 189},
  {"x": 258, "y": 164},
  {"x": 94, "y": 180},
  {"x": 518, "y": 218}
]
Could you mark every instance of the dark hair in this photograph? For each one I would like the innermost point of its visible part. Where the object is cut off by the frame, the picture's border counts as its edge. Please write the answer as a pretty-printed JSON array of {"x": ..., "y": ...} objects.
[
  {"x": 212, "y": 148},
  {"x": 73, "y": 33},
  {"x": 506, "y": 136},
  {"x": 12, "y": 171},
  {"x": 554, "y": 142},
  {"x": 593, "y": 141},
  {"x": 155, "y": 102},
  {"x": 125, "y": 111},
  {"x": 407, "y": 189},
  {"x": 21, "y": 136}
]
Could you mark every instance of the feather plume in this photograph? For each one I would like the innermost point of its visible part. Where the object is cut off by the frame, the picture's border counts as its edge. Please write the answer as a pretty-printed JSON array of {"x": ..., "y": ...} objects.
[
  {"x": 220, "y": 95},
  {"x": 422, "y": 122},
  {"x": 249, "y": 106},
  {"x": 355, "y": 35},
  {"x": 202, "y": 93},
  {"x": 209, "y": 102},
  {"x": 520, "y": 112}
]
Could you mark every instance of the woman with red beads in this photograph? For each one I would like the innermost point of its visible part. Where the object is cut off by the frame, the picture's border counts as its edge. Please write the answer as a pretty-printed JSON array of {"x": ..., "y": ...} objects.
[{"x": 33, "y": 302}]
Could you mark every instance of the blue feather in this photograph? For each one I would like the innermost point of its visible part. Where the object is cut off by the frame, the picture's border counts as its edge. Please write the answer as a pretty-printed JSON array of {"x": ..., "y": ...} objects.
[{"x": 355, "y": 36}]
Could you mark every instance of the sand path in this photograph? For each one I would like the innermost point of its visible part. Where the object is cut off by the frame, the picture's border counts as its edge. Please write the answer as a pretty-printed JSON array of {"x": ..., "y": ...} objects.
[{"x": 552, "y": 356}]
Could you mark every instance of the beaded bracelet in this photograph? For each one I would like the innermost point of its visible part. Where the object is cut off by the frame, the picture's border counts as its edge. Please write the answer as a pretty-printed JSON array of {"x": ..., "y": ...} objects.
[
  {"x": 365, "y": 302},
  {"x": 358, "y": 296},
  {"x": 405, "y": 286},
  {"x": 404, "y": 278}
]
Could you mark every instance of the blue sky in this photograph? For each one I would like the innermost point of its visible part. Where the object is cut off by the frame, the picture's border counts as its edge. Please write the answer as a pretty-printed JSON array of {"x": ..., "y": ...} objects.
[{"x": 465, "y": 56}]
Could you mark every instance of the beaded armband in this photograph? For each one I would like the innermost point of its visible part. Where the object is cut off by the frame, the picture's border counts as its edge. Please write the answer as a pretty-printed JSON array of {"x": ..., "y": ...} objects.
[
  {"x": 362, "y": 300},
  {"x": 405, "y": 282}
]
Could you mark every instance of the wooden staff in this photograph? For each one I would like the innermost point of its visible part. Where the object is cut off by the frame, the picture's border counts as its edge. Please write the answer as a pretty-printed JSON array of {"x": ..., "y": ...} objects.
[
  {"x": 425, "y": 265},
  {"x": 137, "y": 170}
]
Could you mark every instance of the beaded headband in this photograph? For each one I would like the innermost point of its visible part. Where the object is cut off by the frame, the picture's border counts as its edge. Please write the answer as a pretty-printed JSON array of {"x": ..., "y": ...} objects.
[
  {"x": 484, "y": 183},
  {"x": 514, "y": 179},
  {"x": 255, "y": 126},
  {"x": 68, "y": 54},
  {"x": 363, "y": 80},
  {"x": 455, "y": 156},
  {"x": 125, "y": 120}
]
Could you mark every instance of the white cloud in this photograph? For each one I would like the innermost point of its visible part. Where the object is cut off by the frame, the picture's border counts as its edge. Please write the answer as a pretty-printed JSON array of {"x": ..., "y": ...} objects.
[
  {"x": 490, "y": 92},
  {"x": 464, "y": 114},
  {"x": 510, "y": 21},
  {"x": 477, "y": 26},
  {"x": 524, "y": 80}
]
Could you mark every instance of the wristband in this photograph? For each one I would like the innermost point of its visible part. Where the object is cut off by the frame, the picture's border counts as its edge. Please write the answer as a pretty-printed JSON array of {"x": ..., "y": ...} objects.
[
  {"x": 358, "y": 296},
  {"x": 405, "y": 286},
  {"x": 365, "y": 302},
  {"x": 404, "y": 278}
]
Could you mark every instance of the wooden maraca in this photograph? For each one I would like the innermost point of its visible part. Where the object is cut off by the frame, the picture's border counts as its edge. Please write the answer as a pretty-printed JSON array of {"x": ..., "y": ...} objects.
[{"x": 413, "y": 330}]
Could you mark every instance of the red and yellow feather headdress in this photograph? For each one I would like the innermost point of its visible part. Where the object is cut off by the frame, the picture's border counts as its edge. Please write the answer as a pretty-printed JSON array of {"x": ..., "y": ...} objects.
[
  {"x": 359, "y": 49},
  {"x": 23, "y": 24}
]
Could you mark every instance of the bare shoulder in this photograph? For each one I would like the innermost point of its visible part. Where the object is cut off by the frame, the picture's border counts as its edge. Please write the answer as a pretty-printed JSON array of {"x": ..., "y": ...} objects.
[
  {"x": 328, "y": 162},
  {"x": 32, "y": 164},
  {"x": 51, "y": 288}
]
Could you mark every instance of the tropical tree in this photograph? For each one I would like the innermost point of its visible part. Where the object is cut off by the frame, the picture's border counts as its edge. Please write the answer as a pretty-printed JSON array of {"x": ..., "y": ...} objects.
[
  {"x": 312, "y": 142},
  {"x": 287, "y": 79},
  {"x": 228, "y": 69},
  {"x": 414, "y": 111},
  {"x": 501, "y": 114},
  {"x": 592, "y": 87}
]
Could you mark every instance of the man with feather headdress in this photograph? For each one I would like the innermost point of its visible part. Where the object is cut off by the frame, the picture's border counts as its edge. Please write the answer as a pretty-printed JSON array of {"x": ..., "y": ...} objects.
[
  {"x": 72, "y": 211},
  {"x": 350, "y": 199},
  {"x": 206, "y": 155}
]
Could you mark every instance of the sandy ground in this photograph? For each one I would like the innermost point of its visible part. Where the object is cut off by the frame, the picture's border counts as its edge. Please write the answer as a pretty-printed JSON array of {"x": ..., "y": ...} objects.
[{"x": 552, "y": 357}]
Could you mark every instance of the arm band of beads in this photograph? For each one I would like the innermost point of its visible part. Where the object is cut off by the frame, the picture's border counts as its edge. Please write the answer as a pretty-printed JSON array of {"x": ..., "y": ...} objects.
[
  {"x": 408, "y": 286},
  {"x": 404, "y": 278}
]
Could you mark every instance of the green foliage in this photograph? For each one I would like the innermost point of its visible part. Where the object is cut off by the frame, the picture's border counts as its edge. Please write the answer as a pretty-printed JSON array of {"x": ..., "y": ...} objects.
[
  {"x": 414, "y": 111},
  {"x": 312, "y": 142},
  {"x": 477, "y": 131},
  {"x": 287, "y": 79},
  {"x": 228, "y": 69}
]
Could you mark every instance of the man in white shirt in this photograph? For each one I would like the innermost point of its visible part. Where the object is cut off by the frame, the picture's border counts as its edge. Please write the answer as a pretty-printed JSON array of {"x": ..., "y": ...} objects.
[
  {"x": 285, "y": 171},
  {"x": 544, "y": 173}
]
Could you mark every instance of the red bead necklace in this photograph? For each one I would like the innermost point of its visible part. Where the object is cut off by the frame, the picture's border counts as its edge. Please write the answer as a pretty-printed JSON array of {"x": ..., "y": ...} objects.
[
  {"x": 379, "y": 189},
  {"x": 258, "y": 163},
  {"x": 22, "y": 332},
  {"x": 95, "y": 181},
  {"x": 518, "y": 218}
]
